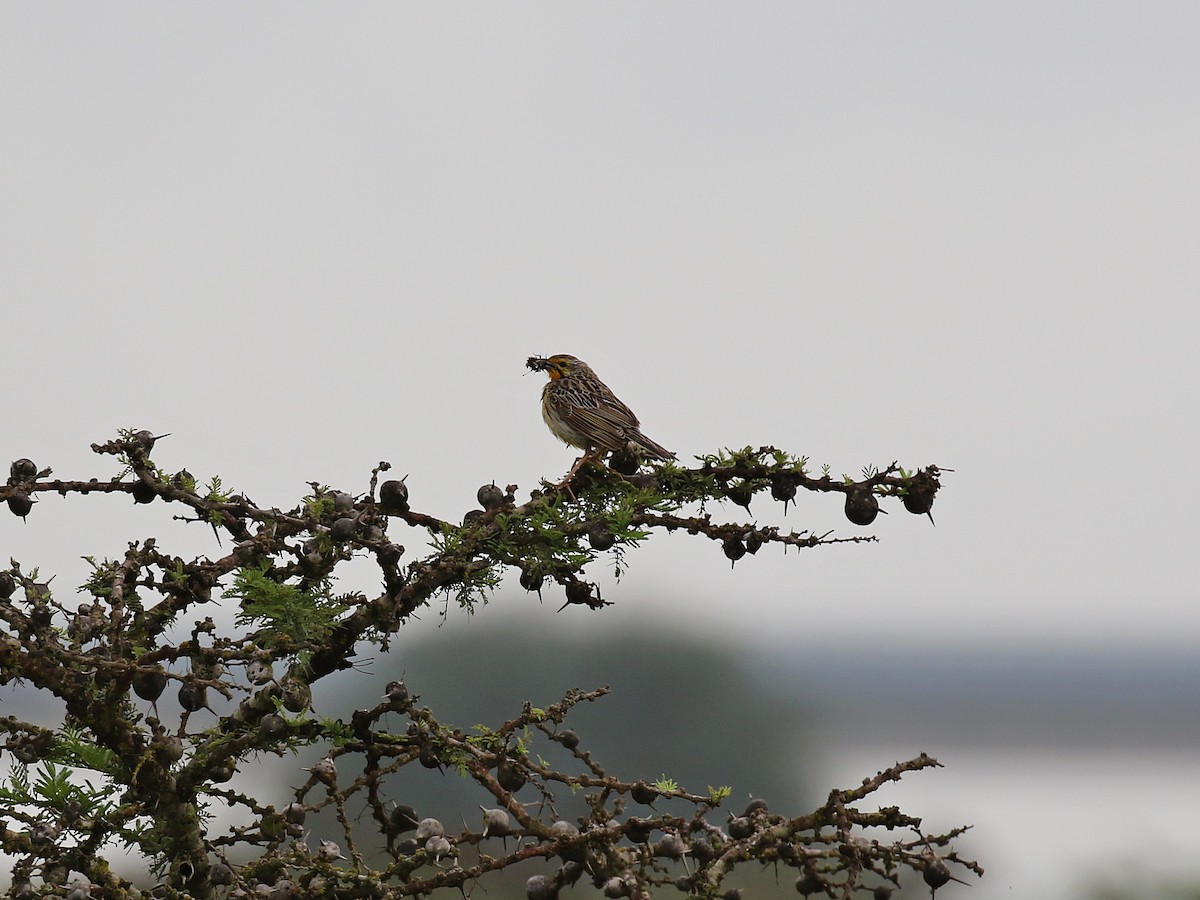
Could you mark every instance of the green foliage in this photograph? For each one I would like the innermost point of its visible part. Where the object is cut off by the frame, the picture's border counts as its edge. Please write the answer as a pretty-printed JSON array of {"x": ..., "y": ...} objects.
[
  {"x": 76, "y": 748},
  {"x": 319, "y": 505},
  {"x": 333, "y": 730},
  {"x": 59, "y": 789},
  {"x": 99, "y": 583},
  {"x": 550, "y": 535},
  {"x": 718, "y": 795},
  {"x": 187, "y": 481},
  {"x": 217, "y": 492},
  {"x": 287, "y": 615}
]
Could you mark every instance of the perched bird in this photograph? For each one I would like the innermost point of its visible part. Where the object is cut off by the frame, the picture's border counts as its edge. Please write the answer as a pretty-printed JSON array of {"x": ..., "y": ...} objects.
[{"x": 580, "y": 410}]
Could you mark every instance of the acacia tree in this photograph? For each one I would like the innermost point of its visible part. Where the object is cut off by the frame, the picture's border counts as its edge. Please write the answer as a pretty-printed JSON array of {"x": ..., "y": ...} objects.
[{"x": 115, "y": 776}]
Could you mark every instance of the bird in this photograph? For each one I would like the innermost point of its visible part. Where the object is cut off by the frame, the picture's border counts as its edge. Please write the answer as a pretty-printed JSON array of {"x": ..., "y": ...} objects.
[{"x": 581, "y": 410}]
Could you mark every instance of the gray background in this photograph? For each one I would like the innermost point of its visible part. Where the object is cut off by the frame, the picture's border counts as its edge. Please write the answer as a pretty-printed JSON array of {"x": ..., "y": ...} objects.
[{"x": 304, "y": 237}]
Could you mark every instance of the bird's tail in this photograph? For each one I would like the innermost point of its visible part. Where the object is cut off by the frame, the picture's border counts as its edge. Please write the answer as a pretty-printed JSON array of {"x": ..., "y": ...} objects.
[{"x": 655, "y": 450}]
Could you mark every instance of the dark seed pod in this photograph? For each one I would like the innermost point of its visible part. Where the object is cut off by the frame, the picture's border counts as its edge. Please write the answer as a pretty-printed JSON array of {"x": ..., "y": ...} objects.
[
  {"x": 149, "y": 684},
  {"x": 142, "y": 492},
  {"x": 220, "y": 774},
  {"x": 490, "y": 496},
  {"x": 918, "y": 498},
  {"x": 740, "y": 828},
  {"x": 883, "y": 892},
  {"x": 638, "y": 830},
  {"x": 917, "y": 503},
  {"x": 407, "y": 847},
  {"x": 397, "y": 693},
  {"x": 732, "y": 894},
  {"x": 670, "y": 847},
  {"x": 568, "y": 738},
  {"x": 510, "y": 776},
  {"x": 324, "y": 770},
  {"x": 472, "y": 515},
  {"x": 296, "y": 695},
  {"x": 643, "y": 793},
  {"x": 429, "y": 758},
  {"x": 702, "y": 850},
  {"x": 428, "y": 828},
  {"x": 342, "y": 502},
  {"x": 393, "y": 496},
  {"x": 624, "y": 461},
  {"x": 755, "y": 806},
  {"x": 20, "y": 504},
  {"x": 23, "y": 469},
  {"x": 40, "y": 615},
  {"x": 784, "y": 492},
  {"x": 570, "y": 872},
  {"x": 740, "y": 494},
  {"x": 207, "y": 667},
  {"x": 616, "y": 887},
  {"x": 600, "y": 537},
  {"x": 540, "y": 887},
  {"x": 734, "y": 548},
  {"x": 246, "y": 552},
  {"x": 343, "y": 529},
  {"x": 438, "y": 846},
  {"x": 169, "y": 748},
  {"x": 193, "y": 696},
  {"x": 221, "y": 874},
  {"x": 579, "y": 592},
  {"x": 810, "y": 883},
  {"x": 861, "y": 507},
  {"x": 936, "y": 872},
  {"x": 402, "y": 818},
  {"x": 329, "y": 851},
  {"x": 532, "y": 581},
  {"x": 272, "y": 726},
  {"x": 145, "y": 440},
  {"x": 754, "y": 542},
  {"x": 259, "y": 671},
  {"x": 496, "y": 822},
  {"x": 310, "y": 557},
  {"x": 80, "y": 629},
  {"x": 8, "y": 585},
  {"x": 389, "y": 554}
]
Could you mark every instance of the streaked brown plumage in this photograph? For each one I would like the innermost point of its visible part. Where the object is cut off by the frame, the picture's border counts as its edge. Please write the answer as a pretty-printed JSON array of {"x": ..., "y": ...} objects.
[{"x": 580, "y": 410}]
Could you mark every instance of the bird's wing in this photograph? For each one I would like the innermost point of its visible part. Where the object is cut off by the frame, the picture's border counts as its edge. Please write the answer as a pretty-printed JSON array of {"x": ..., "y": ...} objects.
[{"x": 587, "y": 411}]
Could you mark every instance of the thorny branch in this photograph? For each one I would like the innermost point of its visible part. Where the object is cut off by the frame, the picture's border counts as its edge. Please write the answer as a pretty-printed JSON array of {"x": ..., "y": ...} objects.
[{"x": 150, "y": 786}]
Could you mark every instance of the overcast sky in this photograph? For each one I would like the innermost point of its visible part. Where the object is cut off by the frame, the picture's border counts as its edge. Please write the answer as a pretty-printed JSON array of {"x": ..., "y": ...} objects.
[{"x": 303, "y": 238}]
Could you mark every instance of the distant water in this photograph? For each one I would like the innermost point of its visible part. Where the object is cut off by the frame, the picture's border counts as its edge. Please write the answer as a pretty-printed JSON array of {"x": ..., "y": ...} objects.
[
  {"x": 1078, "y": 770},
  {"x": 1052, "y": 824}
]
